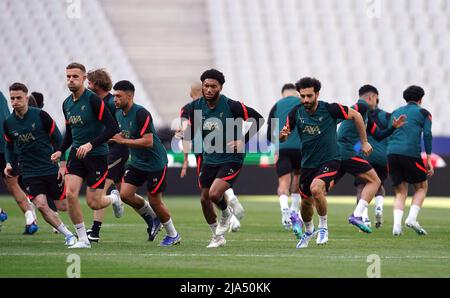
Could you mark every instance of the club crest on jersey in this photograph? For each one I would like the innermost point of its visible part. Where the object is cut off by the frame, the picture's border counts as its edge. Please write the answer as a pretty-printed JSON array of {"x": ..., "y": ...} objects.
[{"x": 311, "y": 130}]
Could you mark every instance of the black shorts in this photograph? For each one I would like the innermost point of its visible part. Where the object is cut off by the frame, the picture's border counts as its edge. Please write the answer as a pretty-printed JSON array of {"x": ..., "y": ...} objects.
[
  {"x": 15, "y": 166},
  {"x": 404, "y": 168},
  {"x": 381, "y": 172},
  {"x": 354, "y": 166},
  {"x": 117, "y": 158},
  {"x": 326, "y": 173},
  {"x": 289, "y": 160},
  {"x": 227, "y": 172},
  {"x": 156, "y": 181},
  {"x": 93, "y": 169},
  {"x": 45, "y": 185}
]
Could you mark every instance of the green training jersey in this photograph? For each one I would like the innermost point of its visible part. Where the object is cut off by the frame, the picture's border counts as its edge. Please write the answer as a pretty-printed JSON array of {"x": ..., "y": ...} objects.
[
  {"x": 133, "y": 125},
  {"x": 36, "y": 137}
]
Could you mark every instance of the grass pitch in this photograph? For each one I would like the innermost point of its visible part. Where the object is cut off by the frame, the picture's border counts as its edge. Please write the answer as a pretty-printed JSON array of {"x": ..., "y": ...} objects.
[{"x": 260, "y": 249}]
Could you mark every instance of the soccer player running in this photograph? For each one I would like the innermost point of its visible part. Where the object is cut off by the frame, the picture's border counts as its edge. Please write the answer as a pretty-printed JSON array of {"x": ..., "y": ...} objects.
[
  {"x": 353, "y": 162},
  {"x": 316, "y": 122},
  {"x": 99, "y": 81},
  {"x": 405, "y": 162},
  {"x": 89, "y": 125},
  {"x": 236, "y": 206},
  {"x": 223, "y": 147},
  {"x": 148, "y": 161},
  {"x": 378, "y": 160},
  {"x": 12, "y": 183},
  {"x": 288, "y": 156},
  {"x": 31, "y": 132}
]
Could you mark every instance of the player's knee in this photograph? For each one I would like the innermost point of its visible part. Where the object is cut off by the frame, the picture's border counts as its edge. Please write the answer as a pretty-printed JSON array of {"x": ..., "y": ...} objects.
[
  {"x": 282, "y": 191},
  {"x": 94, "y": 205},
  {"x": 70, "y": 194},
  {"x": 317, "y": 190},
  {"x": 215, "y": 195}
]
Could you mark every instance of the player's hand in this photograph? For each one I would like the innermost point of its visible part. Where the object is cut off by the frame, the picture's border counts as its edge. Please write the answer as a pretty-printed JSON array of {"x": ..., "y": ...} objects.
[
  {"x": 184, "y": 169},
  {"x": 62, "y": 171},
  {"x": 284, "y": 133},
  {"x": 118, "y": 138},
  {"x": 430, "y": 169},
  {"x": 399, "y": 122},
  {"x": 179, "y": 134},
  {"x": 236, "y": 146},
  {"x": 56, "y": 156},
  {"x": 8, "y": 170},
  {"x": 366, "y": 148},
  {"x": 83, "y": 150}
]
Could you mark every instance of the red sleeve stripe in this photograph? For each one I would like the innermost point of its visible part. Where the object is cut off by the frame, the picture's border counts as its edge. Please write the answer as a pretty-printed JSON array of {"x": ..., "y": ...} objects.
[
  {"x": 6, "y": 138},
  {"x": 102, "y": 109},
  {"x": 244, "y": 108},
  {"x": 181, "y": 112},
  {"x": 287, "y": 123},
  {"x": 53, "y": 128},
  {"x": 430, "y": 117},
  {"x": 67, "y": 121},
  {"x": 373, "y": 128},
  {"x": 144, "y": 128},
  {"x": 343, "y": 111},
  {"x": 356, "y": 107}
]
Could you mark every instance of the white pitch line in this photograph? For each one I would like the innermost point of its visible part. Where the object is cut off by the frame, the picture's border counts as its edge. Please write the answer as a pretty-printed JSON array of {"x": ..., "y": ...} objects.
[{"x": 217, "y": 255}]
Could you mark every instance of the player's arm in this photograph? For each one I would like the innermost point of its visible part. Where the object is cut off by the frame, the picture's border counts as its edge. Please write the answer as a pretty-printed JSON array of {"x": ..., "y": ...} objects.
[
  {"x": 67, "y": 140},
  {"x": 270, "y": 129},
  {"x": 428, "y": 139},
  {"x": 9, "y": 150},
  {"x": 143, "y": 119},
  {"x": 248, "y": 114},
  {"x": 339, "y": 111},
  {"x": 379, "y": 134},
  {"x": 289, "y": 125},
  {"x": 53, "y": 131},
  {"x": 104, "y": 115}
]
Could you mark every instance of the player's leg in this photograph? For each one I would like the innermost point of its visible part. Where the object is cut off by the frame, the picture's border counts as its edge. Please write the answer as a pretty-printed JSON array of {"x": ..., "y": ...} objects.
[
  {"x": 284, "y": 183},
  {"x": 420, "y": 192},
  {"x": 307, "y": 206},
  {"x": 52, "y": 219},
  {"x": 73, "y": 185},
  {"x": 216, "y": 192},
  {"x": 361, "y": 169},
  {"x": 98, "y": 216},
  {"x": 295, "y": 159},
  {"x": 295, "y": 192},
  {"x": 234, "y": 203},
  {"x": 172, "y": 236},
  {"x": 418, "y": 177},
  {"x": 359, "y": 186},
  {"x": 12, "y": 186},
  {"x": 318, "y": 191},
  {"x": 284, "y": 170},
  {"x": 401, "y": 192}
]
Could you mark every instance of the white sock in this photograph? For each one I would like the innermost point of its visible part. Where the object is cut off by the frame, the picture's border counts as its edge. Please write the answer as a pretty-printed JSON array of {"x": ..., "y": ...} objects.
[
  {"x": 284, "y": 202},
  {"x": 309, "y": 226},
  {"x": 112, "y": 198},
  {"x": 29, "y": 218},
  {"x": 144, "y": 210},
  {"x": 170, "y": 228},
  {"x": 295, "y": 201},
  {"x": 81, "y": 232},
  {"x": 32, "y": 208},
  {"x": 64, "y": 230},
  {"x": 413, "y": 213},
  {"x": 226, "y": 212},
  {"x": 213, "y": 228},
  {"x": 365, "y": 213},
  {"x": 360, "y": 208},
  {"x": 323, "y": 222},
  {"x": 398, "y": 215},
  {"x": 379, "y": 202},
  {"x": 229, "y": 195}
]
